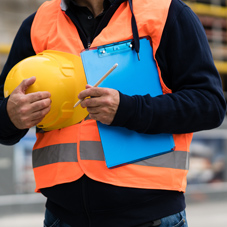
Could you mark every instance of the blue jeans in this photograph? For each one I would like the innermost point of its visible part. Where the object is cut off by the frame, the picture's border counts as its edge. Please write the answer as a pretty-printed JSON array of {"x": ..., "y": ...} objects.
[
  {"x": 175, "y": 220},
  {"x": 52, "y": 221}
]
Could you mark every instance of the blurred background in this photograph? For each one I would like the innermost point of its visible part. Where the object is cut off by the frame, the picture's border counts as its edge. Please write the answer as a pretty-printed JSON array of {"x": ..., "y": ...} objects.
[{"x": 206, "y": 193}]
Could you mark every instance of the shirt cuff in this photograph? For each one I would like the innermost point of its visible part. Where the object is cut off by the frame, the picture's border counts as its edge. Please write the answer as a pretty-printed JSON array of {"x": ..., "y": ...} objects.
[
  {"x": 125, "y": 111},
  {"x": 8, "y": 131}
]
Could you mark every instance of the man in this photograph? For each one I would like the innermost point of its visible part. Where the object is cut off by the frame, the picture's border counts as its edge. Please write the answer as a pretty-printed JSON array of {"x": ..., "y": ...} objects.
[{"x": 85, "y": 192}]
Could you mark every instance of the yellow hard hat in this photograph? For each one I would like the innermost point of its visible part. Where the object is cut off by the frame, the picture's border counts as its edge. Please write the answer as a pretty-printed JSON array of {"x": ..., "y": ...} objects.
[{"x": 61, "y": 74}]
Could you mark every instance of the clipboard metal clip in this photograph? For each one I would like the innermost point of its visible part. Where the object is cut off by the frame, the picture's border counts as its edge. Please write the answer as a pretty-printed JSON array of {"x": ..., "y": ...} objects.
[{"x": 114, "y": 48}]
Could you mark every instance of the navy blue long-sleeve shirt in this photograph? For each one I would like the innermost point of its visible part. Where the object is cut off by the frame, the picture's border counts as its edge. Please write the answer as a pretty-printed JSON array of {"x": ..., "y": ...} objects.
[{"x": 197, "y": 103}]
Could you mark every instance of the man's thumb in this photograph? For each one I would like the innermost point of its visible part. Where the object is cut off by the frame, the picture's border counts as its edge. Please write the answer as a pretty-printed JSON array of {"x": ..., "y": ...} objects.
[{"x": 25, "y": 84}]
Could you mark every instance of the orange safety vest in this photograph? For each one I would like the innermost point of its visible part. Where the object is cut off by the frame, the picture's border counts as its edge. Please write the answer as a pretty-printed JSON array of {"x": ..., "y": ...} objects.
[{"x": 64, "y": 155}]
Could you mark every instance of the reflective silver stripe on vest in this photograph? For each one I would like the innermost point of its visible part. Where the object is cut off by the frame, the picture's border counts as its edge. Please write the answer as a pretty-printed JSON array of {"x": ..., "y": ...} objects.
[
  {"x": 175, "y": 159},
  {"x": 92, "y": 150},
  {"x": 54, "y": 153}
]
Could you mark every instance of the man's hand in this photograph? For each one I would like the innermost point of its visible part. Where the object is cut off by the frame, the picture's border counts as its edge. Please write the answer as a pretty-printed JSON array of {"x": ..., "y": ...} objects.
[
  {"x": 27, "y": 110},
  {"x": 101, "y": 103}
]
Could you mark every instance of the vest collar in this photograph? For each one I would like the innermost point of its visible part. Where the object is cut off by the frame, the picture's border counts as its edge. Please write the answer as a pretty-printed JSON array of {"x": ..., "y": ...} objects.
[
  {"x": 134, "y": 25},
  {"x": 64, "y": 6}
]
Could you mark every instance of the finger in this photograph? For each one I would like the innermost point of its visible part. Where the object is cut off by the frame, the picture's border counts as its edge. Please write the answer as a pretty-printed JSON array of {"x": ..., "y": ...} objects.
[
  {"x": 88, "y": 86},
  {"x": 33, "y": 123},
  {"x": 92, "y": 91},
  {"x": 91, "y": 102},
  {"x": 93, "y": 110},
  {"x": 25, "y": 84},
  {"x": 37, "y": 96},
  {"x": 94, "y": 116},
  {"x": 40, "y": 105},
  {"x": 102, "y": 118},
  {"x": 82, "y": 94},
  {"x": 35, "y": 116}
]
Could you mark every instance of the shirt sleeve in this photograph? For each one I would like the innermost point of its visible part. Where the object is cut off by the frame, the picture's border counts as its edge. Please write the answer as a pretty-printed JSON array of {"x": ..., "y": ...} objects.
[
  {"x": 187, "y": 68},
  {"x": 21, "y": 49}
]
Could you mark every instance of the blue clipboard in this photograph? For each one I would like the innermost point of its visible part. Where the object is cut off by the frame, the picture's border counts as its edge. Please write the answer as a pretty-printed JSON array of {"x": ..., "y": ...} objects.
[{"x": 132, "y": 77}]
